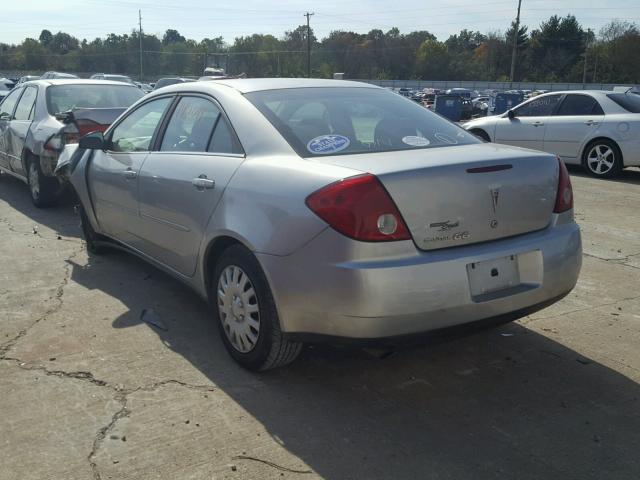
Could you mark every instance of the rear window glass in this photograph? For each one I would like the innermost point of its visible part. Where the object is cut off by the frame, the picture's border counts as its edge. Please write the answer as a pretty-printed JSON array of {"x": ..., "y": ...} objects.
[
  {"x": 337, "y": 121},
  {"x": 62, "y": 98},
  {"x": 628, "y": 101}
]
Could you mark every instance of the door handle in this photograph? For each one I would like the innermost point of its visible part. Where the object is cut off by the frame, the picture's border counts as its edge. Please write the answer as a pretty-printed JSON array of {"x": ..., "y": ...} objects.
[
  {"x": 202, "y": 182},
  {"x": 130, "y": 174},
  {"x": 590, "y": 122},
  {"x": 538, "y": 124}
]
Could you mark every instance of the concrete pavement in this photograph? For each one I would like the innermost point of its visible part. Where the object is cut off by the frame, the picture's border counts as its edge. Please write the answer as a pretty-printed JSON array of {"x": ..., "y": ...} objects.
[{"x": 88, "y": 390}]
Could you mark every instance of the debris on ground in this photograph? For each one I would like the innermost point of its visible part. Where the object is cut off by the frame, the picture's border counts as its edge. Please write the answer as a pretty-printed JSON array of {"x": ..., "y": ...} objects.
[
  {"x": 149, "y": 315},
  {"x": 506, "y": 334},
  {"x": 583, "y": 361}
]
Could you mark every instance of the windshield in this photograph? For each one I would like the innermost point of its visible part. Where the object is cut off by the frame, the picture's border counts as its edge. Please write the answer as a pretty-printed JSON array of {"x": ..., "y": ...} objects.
[
  {"x": 62, "y": 98},
  {"x": 628, "y": 101},
  {"x": 336, "y": 121}
]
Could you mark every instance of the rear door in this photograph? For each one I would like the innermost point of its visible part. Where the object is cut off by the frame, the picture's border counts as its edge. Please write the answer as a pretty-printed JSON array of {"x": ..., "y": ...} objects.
[
  {"x": 19, "y": 127},
  {"x": 575, "y": 121},
  {"x": 7, "y": 108},
  {"x": 113, "y": 175},
  {"x": 528, "y": 127},
  {"x": 182, "y": 182}
]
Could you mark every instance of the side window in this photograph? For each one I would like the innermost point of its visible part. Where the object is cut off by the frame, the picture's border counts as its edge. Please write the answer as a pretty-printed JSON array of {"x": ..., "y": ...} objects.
[
  {"x": 538, "y": 107},
  {"x": 224, "y": 140},
  {"x": 24, "y": 109},
  {"x": 579, "y": 105},
  {"x": 135, "y": 132},
  {"x": 191, "y": 125},
  {"x": 6, "y": 107}
]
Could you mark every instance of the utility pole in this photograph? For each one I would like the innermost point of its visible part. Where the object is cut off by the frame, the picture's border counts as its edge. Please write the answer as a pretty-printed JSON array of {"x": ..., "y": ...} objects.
[
  {"x": 515, "y": 44},
  {"x": 140, "y": 37},
  {"x": 584, "y": 69},
  {"x": 308, "y": 45}
]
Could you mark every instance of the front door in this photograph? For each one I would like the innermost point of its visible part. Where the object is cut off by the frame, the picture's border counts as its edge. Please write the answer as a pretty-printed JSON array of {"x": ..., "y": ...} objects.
[
  {"x": 114, "y": 173},
  {"x": 181, "y": 184},
  {"x": 528, "y": 126}
]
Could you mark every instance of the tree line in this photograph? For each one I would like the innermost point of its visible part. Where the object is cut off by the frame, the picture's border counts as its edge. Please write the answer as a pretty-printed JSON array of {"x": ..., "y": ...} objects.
[{"x": 560, "y": 49}]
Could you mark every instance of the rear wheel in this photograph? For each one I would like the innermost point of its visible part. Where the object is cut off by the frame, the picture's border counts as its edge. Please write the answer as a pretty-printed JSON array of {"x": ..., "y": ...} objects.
[
  {"x": 90, "y": 235},
  {"x": 481, "y": 134},
  {"x": 43, "y": 189},
  {"x": 246, "y": 313},
  {"x": 602, "y": 158}
]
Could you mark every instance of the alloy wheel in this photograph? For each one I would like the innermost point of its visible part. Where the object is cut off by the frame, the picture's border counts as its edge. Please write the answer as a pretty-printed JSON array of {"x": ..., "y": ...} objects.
[
  {"x": 601, "y": 159},
  {"x": 238, "y": 308}
]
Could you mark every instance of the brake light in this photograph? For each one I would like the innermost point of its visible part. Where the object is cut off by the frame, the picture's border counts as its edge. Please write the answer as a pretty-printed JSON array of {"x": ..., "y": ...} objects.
[
  {"x": 360, "y": 208},
  {"x": 564, "y": 197},
  {"x": 85, "y": 127}
]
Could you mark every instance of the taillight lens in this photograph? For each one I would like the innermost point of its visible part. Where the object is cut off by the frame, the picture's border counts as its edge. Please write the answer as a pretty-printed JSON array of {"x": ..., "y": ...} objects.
[
  {"x": 360, "y": 208},
  {"x": 564, "y": 197}
]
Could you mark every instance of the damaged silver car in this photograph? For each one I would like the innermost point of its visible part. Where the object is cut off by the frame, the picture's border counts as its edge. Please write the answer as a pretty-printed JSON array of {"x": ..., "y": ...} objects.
[{"x": 38, "y": 118}]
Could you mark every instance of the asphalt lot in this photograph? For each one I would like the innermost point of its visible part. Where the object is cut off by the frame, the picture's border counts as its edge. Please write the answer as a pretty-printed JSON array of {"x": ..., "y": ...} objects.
[{"x": 87, "y": 390}]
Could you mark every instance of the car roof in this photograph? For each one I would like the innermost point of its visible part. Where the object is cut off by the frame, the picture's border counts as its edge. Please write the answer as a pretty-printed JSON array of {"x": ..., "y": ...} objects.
[
  {"x": 76, "y": 81},
  {"x": 247, "y": 85},
  {"x": 590, "y": 92}
]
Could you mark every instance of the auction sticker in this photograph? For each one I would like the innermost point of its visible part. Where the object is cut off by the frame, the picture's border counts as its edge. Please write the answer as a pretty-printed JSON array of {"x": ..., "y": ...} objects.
[
  {"x": 328, "y": 144},
  {"x": 415, "y": 141}
]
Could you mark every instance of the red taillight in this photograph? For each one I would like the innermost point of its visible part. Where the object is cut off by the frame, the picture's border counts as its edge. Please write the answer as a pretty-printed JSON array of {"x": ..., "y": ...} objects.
[
  {"x": 564, "y": 197},
  {"x": 360, "y": 208}
]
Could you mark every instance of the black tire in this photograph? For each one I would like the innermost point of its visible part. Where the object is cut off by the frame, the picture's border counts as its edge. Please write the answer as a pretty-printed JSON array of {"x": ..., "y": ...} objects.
[
  {"x": 44, "y": 190},
  {"x": 90, "y": 235},
  {"x": 271, "y": 349},
  {"x": 481, "y": 134},
  {"x": 592, "y": 163}
]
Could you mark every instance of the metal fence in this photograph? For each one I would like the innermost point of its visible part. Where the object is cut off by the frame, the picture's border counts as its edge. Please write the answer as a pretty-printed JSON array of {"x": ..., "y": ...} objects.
[
  {"x": 414, "y": 84},
  {"x": 474, "y": 85}
]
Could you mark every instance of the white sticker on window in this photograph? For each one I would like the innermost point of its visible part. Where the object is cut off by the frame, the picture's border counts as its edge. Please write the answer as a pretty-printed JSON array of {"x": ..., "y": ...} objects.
[
  {"x": 415, "y": 141},
  {"x": 328, "y": 144}
]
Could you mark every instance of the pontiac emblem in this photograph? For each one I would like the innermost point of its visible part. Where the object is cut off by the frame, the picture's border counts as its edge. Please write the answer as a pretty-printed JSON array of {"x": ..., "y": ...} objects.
[{"x": 495, "y": 195}]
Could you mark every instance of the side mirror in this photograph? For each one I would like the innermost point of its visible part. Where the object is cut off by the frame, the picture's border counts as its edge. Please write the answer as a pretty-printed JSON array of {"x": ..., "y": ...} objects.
[
  {"x": 511, "y": 114},
  {"x": 92, "y": 141}
]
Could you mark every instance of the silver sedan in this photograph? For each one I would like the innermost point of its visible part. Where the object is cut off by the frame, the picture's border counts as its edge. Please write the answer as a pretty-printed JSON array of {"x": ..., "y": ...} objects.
[
  {"x": 599, "y": 130},
  {"x": 312, "y": 209}
]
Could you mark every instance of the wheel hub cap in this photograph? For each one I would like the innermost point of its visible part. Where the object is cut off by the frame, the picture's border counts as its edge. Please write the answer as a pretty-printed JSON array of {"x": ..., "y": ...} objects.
[
  {"x": 600, "y": 159},
  {"x": 238, "y": 308}
]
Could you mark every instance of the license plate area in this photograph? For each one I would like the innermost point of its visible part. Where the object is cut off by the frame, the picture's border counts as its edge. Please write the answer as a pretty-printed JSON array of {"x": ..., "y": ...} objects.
[{"x": 490, "y": 277}]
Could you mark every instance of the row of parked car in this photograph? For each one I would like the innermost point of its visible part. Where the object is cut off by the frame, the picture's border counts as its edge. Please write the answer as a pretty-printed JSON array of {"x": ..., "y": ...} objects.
[{"x": 7, "y": 84}]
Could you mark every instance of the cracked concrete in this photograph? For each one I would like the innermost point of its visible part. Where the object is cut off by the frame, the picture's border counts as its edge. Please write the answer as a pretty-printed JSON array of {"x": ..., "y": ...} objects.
[{"x": 88, "y": 391}]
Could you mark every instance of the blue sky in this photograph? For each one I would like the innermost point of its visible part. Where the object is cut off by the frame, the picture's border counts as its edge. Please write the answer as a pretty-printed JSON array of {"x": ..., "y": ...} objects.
[{"x": 201, "y": 18}]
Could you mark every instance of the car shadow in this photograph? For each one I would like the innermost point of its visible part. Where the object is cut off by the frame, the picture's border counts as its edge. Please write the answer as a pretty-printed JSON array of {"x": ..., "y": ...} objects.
[
  {"x": 502, "y": 403},
  {"x": 59, "y": 218},
  {"x": 628, "y": 175}
]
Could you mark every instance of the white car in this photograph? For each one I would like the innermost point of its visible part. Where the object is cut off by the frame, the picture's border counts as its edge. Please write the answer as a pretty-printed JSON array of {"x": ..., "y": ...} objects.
[{"x": 599, "y": 130}]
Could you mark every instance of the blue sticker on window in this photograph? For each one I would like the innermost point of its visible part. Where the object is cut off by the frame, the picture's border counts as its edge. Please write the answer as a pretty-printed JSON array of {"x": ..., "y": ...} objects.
[{"x": 328, "y": 144}]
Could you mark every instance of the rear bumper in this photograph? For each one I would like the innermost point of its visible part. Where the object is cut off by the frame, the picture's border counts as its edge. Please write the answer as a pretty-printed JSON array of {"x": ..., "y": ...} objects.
[{"x": 393, "y": 290}]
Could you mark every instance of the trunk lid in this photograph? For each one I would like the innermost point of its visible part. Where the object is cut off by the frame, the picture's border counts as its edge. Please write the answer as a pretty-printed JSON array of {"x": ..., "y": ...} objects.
[{"x": 459, "y": 195}]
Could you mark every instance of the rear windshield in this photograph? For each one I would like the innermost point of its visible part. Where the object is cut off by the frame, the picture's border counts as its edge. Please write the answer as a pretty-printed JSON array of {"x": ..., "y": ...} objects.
[
  {"x": 337, "y": 121},
  {"x": 62, "y": 98},
  {"x": 628, "y": 101}
]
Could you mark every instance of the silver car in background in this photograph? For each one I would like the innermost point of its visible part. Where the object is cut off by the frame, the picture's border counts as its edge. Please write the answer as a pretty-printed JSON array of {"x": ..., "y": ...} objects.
[
  {"x": 38, "y": 118},
  {"x": 599, "y": 130},
  {"x": 313, "y": 209}
]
